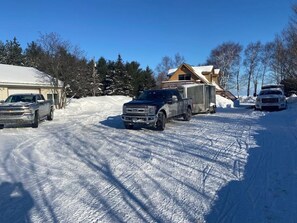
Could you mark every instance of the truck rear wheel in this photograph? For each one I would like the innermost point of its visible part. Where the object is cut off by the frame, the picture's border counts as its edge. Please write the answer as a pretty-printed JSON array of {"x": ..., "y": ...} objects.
[
  {"x": 160, "y": 125},
  {"x": 188, "y": 115},
  {"x": 36, "y": 120}
]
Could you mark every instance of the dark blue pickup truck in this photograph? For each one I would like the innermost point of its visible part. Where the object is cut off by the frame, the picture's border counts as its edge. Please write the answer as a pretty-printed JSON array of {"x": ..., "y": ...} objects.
[{"x": 155, "y": 107}]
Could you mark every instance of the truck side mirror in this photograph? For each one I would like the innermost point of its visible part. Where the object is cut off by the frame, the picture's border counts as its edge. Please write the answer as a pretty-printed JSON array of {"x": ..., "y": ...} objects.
[
  {"x": 174, "y": 99},
  {"x": 2, "y": 101}
]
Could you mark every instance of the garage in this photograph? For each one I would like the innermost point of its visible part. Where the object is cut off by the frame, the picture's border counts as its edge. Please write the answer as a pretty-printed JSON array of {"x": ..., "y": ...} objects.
[
  {"x": 22, "y": 91},
  {"x": 26, "y": 80}
]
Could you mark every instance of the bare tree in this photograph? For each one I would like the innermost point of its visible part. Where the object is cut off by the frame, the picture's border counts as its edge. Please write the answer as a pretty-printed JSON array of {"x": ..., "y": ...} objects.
[
  {"x": 252, "y": 65},
  {"x": 61, "y": 61},
  {"x": 226, "y": 57},
  {"x": 166, "y": 64},
  {"x": 266, "y": 56}
]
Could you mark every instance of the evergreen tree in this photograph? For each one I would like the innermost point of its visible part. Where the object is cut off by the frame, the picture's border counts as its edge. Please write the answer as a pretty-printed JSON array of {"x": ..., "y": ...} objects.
[
  {"x": 2, "y": 53},
  {"x": 33, "y": 54},
  {"x": 110, "y": 79},
  {"x": 149, "y": 80},
  {"x": 102, "y": 70},
  {"x": 135, "y": 72},
  {"x": 122, "y": 79},
  {"x": 13, "y": 51}
]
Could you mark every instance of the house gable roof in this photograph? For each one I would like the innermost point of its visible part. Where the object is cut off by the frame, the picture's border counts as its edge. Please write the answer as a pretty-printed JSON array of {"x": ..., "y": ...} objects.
[
  {"x": 197, "y": 71},
  {"x": 24, "y": 76}
]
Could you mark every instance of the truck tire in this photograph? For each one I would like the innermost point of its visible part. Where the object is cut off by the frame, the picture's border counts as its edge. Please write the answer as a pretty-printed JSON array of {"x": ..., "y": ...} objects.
[
  {"x": 160, "y": 124},
  {"x": 188, "y": 115},
  {"x": 36, "y": 120},
  {"x": 50, "y": 116},
  {"x": 128, "y": 126}
]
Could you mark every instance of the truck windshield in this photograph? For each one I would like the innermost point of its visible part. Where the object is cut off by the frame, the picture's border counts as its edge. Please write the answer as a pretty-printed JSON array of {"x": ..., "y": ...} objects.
[
  {"x": 153, "y": 95},
  {"x": 270, "y": 92},
  {"x": 20, "y": 98}
]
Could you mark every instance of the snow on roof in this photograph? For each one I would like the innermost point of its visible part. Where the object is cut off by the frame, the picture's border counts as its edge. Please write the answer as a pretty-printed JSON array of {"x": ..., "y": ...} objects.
[
  {"x": 217, "y": 86},
  {"x": 24, "y": 76},
  {"x": 171, "y": 71},
  {"x": 203, "y": 69},
  {"x": 216, "y": 71}
]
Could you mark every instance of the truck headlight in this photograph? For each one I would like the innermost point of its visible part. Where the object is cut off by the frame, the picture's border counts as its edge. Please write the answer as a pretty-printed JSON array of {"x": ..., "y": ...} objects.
[
  {"x": 124, "y": 109},
  {"x": 151, "y": 110},
  {"x": 28, "y": 111}
]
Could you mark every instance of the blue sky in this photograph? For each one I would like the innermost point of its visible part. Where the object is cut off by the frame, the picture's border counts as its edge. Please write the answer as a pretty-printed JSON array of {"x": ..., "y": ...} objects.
[{"x": 145, "y": 30}]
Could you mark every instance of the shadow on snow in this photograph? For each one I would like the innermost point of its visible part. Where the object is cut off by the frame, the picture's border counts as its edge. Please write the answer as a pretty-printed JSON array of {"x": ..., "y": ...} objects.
[{"x": 15, "y": 203}]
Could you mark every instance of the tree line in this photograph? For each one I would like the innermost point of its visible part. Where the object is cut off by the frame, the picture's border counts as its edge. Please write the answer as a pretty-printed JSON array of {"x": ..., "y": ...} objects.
[
  {"x": 253, "y": 66},
  {"x": 81, "y": 77}
]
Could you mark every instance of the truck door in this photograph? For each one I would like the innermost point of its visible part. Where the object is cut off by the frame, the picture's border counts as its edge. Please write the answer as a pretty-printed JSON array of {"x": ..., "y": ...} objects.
[
  {"x": 172, "y": 105},
  {"x": 180, "y": 107},
  {"x": 42, "y": 105}
]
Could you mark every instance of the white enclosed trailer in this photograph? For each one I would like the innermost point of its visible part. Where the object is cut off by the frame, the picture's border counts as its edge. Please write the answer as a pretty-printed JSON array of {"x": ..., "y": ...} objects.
[{"x": 202, "y": 95}]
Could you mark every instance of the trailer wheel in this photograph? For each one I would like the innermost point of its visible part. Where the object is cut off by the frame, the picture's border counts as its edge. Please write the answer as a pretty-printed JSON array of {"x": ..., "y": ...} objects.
[
  {"x": 213, "y": 110},
  {"x": 160, "y": 125},
  {"x": 188, "y": 115}
]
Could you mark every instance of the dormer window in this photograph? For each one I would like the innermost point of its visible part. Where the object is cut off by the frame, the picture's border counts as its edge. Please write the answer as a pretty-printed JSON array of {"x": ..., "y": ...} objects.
[{"x": 182, "y": 77}]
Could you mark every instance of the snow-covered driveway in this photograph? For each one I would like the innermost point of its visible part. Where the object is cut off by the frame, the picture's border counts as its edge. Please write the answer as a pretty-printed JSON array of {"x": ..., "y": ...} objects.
[{"x": 237, "y": 165}]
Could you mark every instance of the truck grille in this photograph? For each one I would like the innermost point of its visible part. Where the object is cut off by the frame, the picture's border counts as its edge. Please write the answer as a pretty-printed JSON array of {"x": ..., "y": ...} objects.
[
  {"x": 136, "y": 110},
  {"x": 269, "y": 100},
  {"x": 11, "y": 111}
]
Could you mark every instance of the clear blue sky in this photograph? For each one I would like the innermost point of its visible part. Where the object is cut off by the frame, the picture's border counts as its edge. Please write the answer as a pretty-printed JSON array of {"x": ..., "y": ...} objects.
[{"x": 145, "y": 30}]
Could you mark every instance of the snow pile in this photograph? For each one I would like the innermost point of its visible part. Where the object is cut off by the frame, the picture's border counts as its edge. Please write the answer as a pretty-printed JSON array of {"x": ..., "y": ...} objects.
[
  {"x": 93, "y": 105},
  {"x": 222, "y": 102},
  {"x": 292, "y": 98},
  {"x": 247, "y": 99}
]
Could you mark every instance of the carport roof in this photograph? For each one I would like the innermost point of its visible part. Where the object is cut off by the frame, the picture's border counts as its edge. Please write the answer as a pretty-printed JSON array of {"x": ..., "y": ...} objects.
[{"x": 24, "y": 76}]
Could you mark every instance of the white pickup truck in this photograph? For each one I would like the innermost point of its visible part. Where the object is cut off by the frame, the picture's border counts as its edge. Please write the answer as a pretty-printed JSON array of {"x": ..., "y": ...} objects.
[
  {"x": 25, "y": 109},
  {"x": 271, "y": 97}
]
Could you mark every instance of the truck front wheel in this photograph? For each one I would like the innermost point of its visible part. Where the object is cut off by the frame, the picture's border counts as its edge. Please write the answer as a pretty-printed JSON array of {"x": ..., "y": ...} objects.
[
  {"x": 160, "y": 125},
  {"x": 128, "y": 126},
  {"x": 36, "y": 120},
  {"x": 50, "y": 116}
]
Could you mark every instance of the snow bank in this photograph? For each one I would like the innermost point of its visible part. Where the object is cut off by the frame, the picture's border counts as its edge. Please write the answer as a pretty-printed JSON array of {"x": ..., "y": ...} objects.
[
  {"x": 222, "y": 102},
  {"x": 93, "y": 104},
  {"x": 107, "y": 103},
  {"x": 292, "y": 98},
  {"x": 247, "y": 99}
]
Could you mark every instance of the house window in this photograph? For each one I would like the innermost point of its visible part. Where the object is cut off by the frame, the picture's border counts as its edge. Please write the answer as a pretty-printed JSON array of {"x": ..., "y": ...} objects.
[
  {"x": 182, "y": 77},
  {"x": 54, "y": 98}
]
